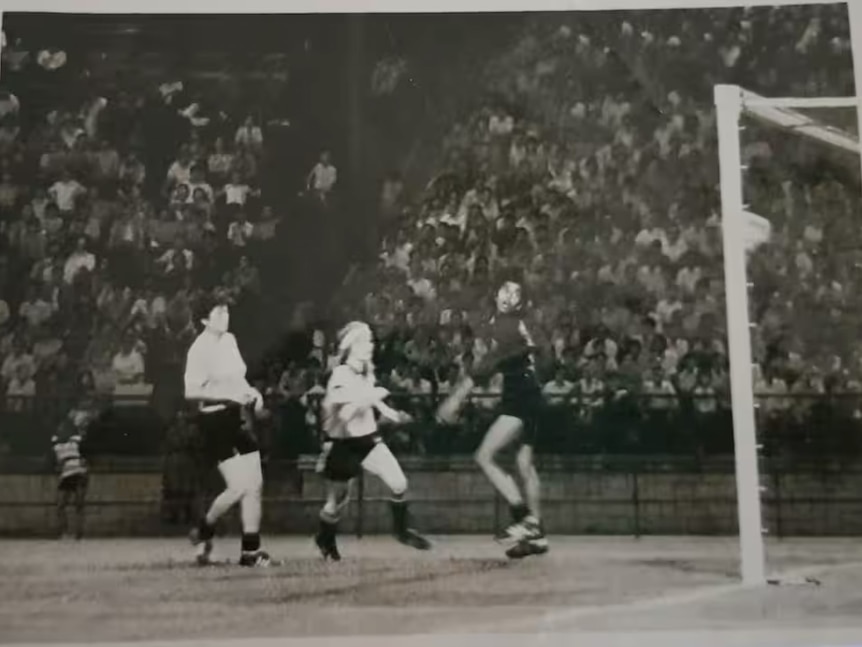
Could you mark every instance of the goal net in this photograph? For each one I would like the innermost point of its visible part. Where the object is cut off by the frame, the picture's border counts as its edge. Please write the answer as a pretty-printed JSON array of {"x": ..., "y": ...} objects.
[{"x": 791, "y": 197}]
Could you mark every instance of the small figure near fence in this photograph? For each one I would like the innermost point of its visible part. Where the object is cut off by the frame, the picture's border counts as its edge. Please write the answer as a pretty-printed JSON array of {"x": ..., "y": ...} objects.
[{"x": 68, "y": 456}]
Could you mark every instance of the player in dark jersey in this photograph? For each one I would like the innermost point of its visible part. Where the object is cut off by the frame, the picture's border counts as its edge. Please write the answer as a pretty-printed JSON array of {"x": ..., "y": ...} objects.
[{"x": 520, "y": 408}]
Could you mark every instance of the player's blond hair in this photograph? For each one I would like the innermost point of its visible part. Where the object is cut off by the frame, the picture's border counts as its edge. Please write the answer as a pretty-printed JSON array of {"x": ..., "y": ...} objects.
[{"x": 348, "y": 336}]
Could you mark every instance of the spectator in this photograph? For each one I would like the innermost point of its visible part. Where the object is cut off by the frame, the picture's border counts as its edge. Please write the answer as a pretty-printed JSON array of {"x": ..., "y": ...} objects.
[
  {"x": 79, "y": 260},
  {"x": 37, "y": 309},
  {"x": 180, "y": 171},
  {"x": 236, "y": 192},
  {"x": 65, "y": 192},
  {"x": 128, "y": 363},
  {"x": 321, "y": 181},
  {"x": 240, "y": 231},
  {"x": 19, "y": 359},
  {"x": 219, "y": 162},
  {"x": 249, "y": 135}
]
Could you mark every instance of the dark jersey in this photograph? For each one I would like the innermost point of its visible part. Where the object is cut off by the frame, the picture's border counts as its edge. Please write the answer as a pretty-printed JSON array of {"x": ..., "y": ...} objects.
[{"x": 513, "y": 356}]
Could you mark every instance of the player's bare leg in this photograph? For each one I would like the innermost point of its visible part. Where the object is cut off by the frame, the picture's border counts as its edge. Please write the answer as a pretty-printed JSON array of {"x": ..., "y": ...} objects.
[
  {"x": 503, "y": 432},
  {"x": 385, "y": 466}
]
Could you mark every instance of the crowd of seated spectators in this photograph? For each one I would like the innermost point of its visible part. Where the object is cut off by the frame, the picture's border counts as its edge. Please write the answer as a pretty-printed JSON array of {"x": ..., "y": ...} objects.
[
  {"x": 119, "y": 203},
  {"x": 593, "y": 172}
]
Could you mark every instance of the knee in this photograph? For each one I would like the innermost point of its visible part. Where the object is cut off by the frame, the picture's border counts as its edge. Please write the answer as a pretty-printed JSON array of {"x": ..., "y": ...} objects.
[
  {"x": 398, "y": 485},
  {"x": 234, "y": 494},
  {"x": 483, "y": 457}
]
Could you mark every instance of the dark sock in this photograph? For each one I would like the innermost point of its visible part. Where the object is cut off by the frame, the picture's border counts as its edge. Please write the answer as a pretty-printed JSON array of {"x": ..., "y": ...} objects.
[
  {"x": 205, "y": 530},
  {"x": 519, "y": 512},
  {"x": 399, "y": 516},
  {"x": 250, "y": 542}
]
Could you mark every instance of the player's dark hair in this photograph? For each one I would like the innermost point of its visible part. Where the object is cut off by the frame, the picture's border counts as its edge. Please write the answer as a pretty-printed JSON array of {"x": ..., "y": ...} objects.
[{"x": 206, "y": 304}]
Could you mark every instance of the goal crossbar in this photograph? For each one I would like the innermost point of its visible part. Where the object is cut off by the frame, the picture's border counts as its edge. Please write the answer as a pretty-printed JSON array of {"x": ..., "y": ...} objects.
[
  {"x": 732, "y": 102},
  {"x": 779, "y": 112}
]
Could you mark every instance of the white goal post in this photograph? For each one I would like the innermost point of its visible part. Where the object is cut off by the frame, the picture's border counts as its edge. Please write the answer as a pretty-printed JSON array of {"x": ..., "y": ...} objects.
[{"x": 741, "y": 231}]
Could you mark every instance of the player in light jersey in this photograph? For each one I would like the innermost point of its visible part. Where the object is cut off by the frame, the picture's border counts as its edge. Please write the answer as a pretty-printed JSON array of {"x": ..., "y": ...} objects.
[
  {"x": 520, "y": 410},
  {"x": 350, "y": 408},
  {"x": 215, "y": 382}
]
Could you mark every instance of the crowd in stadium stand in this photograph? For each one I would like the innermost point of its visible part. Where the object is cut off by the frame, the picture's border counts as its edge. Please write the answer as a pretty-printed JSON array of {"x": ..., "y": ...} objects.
[
  {"x": 592, "y": 173},
  {"x": 105, "y": 241}
]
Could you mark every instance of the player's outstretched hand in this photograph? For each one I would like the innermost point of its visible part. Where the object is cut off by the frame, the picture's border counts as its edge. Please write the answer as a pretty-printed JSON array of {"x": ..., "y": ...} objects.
[{"x": 380, "y": 393}]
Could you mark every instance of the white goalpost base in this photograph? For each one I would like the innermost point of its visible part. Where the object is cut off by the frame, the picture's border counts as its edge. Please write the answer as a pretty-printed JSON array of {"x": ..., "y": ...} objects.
[{"x": 741, "y": 232}]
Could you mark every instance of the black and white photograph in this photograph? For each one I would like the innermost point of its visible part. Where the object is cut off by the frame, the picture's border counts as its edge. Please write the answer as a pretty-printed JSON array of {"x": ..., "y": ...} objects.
[{"x": 412, "y": 325}]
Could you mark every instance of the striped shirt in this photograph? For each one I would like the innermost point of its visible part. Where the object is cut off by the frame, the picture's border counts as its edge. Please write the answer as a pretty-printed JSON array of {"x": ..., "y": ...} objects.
[{"x": 68, "y": 454}]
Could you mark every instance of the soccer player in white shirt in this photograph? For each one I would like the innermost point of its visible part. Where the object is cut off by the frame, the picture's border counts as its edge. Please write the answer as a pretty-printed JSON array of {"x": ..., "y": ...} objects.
[
  {"x": 354, "y": 443},
  {"x": 215, "y": 380}
]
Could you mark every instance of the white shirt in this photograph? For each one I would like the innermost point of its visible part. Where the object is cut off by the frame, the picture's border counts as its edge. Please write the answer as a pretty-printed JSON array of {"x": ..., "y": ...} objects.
[
  {"x": 346, "y": 386},
  {"x": 129, "y": 367},
  {"x": 647, "y": 237},
  {"x": 169, "y": 259},
  {"x": 236, "y": 193},
  {"x": 249, "y": 135},
  {"x": 674, "y": 250},
  {"x": 239, "y": 232},
  {"x": 36, "y": 312},
  {"x": 180, "y": 173},
  {"x": 215, "y": 369},
  {"x": 77, "y": 262},
  {"x": 64, "y": 194},
  {"x": 501, "y": 126},
  {"x": 323, "y": 177},
  {"x": 688, "y": 277}
]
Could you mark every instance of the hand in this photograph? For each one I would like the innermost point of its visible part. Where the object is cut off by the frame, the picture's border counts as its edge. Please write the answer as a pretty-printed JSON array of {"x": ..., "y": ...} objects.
[
  {"x": 380, "y": 393},
  {"x": 405, "y": 418},
  {"x": 253, "y": 397}
]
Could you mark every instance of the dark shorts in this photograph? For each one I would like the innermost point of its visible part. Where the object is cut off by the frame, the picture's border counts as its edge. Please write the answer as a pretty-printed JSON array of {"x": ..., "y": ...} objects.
[
  {"x": 224, "y": 434},
  {"x": 343, "y": 461},
  {"x": 73, "y": 483},
  {"x": 527, "y": 405}
]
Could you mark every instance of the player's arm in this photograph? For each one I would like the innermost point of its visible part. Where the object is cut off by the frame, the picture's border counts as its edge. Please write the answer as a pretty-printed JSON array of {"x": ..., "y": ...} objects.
[
  {"x": 398, "y": 417},
  {"x": 351, "y": 397}
]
